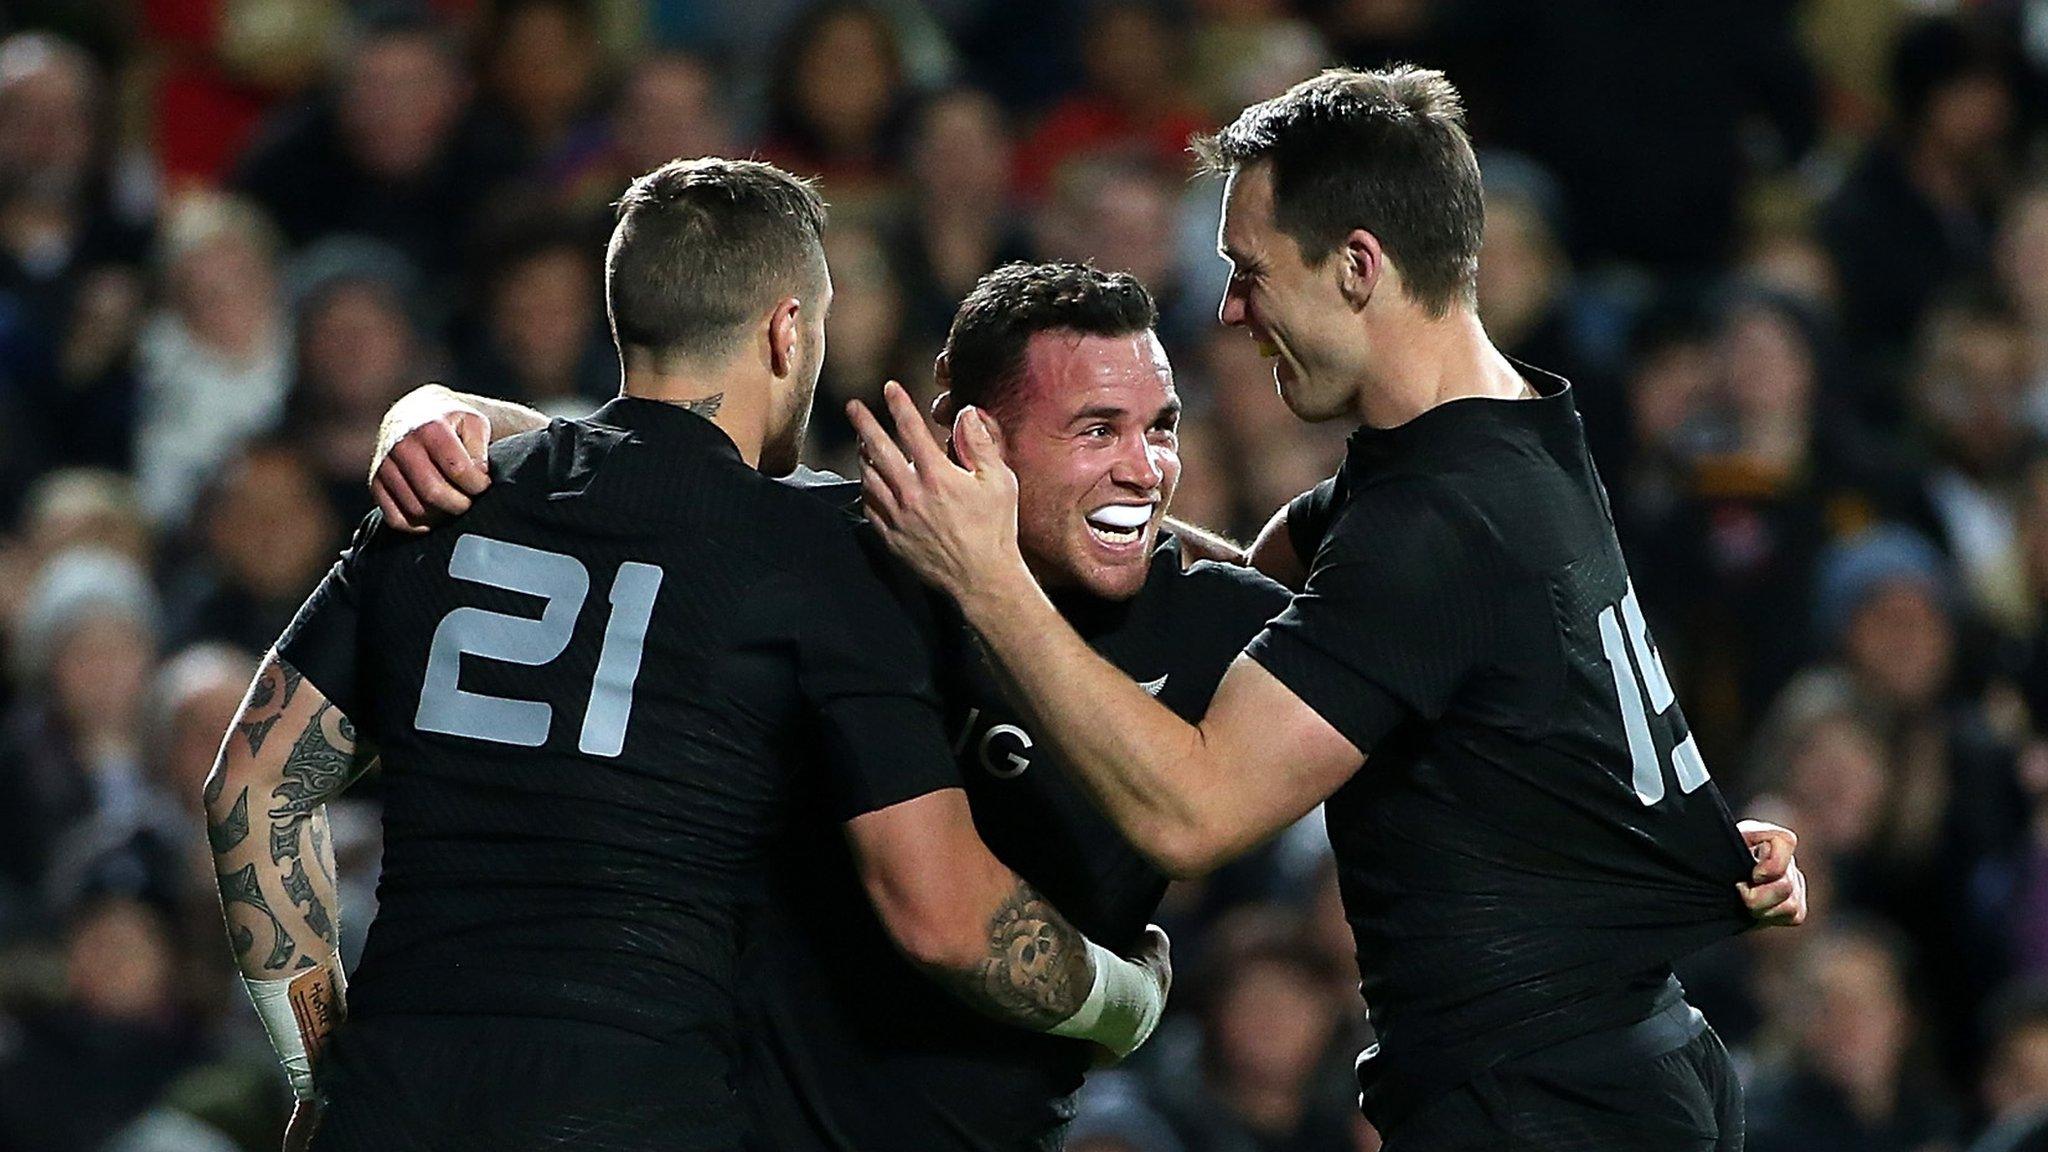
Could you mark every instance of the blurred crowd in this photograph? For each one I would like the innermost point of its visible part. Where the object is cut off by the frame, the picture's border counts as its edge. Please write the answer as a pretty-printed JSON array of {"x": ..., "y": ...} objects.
[{"x": 1793, "y": 253}]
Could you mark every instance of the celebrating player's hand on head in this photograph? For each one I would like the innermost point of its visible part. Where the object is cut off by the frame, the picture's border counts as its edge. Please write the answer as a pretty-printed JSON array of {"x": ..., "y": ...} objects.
[
  {"x": 1776, "y": 892},
  {"x": 956, "y": 524}
]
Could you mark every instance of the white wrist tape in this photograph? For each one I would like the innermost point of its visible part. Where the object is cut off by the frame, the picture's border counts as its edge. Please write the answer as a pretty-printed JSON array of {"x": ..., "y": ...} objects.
[
  {"x": 1122, "y": 1008},
  {"x": 289, "y": 1018}
]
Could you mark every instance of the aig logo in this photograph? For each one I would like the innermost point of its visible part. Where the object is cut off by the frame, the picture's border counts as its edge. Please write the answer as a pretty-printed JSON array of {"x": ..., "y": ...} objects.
[{"x": 1002, "y": 748}]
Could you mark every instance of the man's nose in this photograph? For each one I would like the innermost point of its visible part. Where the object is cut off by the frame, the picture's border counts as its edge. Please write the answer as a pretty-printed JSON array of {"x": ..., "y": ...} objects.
[
  {"x": 1135, "y": 467},
  {"x": 1230, "y": 312}
]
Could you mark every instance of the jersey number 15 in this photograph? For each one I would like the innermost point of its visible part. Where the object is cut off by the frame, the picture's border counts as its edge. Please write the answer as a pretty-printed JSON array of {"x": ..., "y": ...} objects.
[
  {"x": 563, "y": 582},
  {"x": 1654, "y": 692}
]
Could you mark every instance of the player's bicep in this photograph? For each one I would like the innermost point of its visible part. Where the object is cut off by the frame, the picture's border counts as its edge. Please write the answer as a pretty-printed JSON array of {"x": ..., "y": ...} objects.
[
  {"x": 1276, "y": 757},
  {"x": 289, "y": 743},
  {"x": 929, "y": 876}
]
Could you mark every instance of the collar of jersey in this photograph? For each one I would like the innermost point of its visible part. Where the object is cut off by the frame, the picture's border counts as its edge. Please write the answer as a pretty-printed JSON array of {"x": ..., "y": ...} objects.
[
  {"x": 1552, "y": 414},
  {"x": 657, "y": 421}
]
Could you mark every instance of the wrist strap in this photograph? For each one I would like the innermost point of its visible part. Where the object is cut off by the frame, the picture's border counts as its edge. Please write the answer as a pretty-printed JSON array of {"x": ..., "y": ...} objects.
[
  {"x": 1122, "y": 1008},
  {"x": 299, "y": 1013}
]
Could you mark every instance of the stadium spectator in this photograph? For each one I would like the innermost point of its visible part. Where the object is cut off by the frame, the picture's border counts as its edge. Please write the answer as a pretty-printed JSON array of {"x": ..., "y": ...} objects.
[
  {"x": 867, "y": 337},
  {"x": 1852, "y": 1081},
  {"x": 359, "y": 349},
  {"x": 73, "y": 742},
  {"x": 961, "y": 217},
  {"x": 543, "y": 340},
  {"x": 1927, "y": 185},
  {"x": 393, "y": 152},
  {"x": 542, "y": 70},
  {"x": 117, "y": 1036},
  {"x": 215, "y": 358},
  {"x": 70, "y": 253},
  {"x": 2014, "y": 1087},
  {"x": 1969, "y": 394},
  {"x": 1266, "y": 1030},
  {"x": 266, "y": 535},
  {"x": 1134, "y": 99},
  {"x": 670, "y": 106},
  {"x": 835, "y": 99}
]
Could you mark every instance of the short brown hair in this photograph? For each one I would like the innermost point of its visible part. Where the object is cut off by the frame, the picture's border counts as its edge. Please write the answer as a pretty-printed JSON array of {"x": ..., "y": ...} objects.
[
  {"x": 985, "y": 347},
  {"x": 1385, "y": 151},
  {"x": 702, "y": 246}
]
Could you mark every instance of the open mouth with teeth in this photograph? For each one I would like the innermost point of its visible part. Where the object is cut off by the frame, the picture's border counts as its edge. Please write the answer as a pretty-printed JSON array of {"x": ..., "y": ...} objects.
[{"x": 1119, "y": 525}]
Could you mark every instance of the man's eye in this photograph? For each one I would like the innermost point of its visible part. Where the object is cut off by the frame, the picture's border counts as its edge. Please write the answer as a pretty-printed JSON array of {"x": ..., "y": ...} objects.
[{"x": 1100, "y": 431}]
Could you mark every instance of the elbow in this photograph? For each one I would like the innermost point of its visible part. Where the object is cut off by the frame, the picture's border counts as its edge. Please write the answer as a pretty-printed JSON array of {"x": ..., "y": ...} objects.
[
  {"x": 931, "y": 932},
  {"x": 1181, "y": 850}
]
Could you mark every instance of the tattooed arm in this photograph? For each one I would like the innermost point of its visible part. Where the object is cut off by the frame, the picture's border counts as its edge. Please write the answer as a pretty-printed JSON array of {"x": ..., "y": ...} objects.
[
  {"x": 990, "y": 938},
  {"x": 288, "y": 752}
]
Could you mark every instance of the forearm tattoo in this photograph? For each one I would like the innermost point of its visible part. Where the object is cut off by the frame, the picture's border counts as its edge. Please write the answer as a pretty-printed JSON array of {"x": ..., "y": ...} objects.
[
  {"x": 242, "y": 887},
  {"x": 1035, "y": 972},
  {"x": 323, "y": 759},
  {"x": 232, "y": 828}
]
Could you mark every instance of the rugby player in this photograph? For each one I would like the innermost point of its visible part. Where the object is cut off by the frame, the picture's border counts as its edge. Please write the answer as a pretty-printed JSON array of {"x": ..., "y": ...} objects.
[
  {"x": 1535, "y": 839},
  {"x": 850, "y": 1051},
  {"x": 597, "y": 704}
]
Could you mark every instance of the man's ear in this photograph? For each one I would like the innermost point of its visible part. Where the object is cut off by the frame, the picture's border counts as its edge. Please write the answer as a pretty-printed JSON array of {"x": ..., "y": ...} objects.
[
  {"x": 1361, "y": 265},
  {"x": 782, "y": 335},
  {"x": 943, "y": 409}
]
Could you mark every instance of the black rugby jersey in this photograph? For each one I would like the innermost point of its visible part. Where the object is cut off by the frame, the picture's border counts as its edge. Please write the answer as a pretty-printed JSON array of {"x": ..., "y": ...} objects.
[
  {"x": 851, "y": 1048},
  {"x": 596, "y": 696},
  {"x": 1533, "y": 838}
]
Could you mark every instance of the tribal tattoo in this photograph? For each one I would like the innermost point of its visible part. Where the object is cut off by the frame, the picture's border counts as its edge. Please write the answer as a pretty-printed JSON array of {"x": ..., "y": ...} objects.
[
  {"x": 233, "y": 828},
  {"x": 299, "y": 887},
  {"x": 1036, "y": 970},
  {"x": 261, "y": 694},
  {"x": 243, "y": 888},
  {"x": 315, "y": 770}
]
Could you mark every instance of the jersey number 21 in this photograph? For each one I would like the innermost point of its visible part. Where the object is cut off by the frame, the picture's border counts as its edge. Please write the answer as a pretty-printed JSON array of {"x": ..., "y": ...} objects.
[{"x": 563, "y": 582}]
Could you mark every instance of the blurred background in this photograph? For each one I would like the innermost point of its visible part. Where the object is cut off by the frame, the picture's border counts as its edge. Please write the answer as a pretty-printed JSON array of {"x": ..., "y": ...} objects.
[{"x": 1794, "y": 254}]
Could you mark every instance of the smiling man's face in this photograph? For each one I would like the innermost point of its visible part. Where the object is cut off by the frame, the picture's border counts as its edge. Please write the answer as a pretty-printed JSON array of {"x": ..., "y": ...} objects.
[{"x": 1090, "y": 432}]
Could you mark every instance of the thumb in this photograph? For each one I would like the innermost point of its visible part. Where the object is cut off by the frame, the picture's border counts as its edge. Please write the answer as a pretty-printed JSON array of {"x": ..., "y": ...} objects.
[
  {"x": 474, "y": 430},
  {"x": 975, "y": 440}
]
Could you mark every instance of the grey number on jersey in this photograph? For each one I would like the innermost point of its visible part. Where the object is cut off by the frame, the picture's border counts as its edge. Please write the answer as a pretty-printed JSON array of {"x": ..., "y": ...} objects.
[
  {"x": 563, "y": 582},
  {"x": 1654, "y": 695}
]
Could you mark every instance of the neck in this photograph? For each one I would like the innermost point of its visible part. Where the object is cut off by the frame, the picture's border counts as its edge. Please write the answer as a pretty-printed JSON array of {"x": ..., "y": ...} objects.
[
  {"x": 738, "y": 407},
  {"x": 1426, "y": 362}
]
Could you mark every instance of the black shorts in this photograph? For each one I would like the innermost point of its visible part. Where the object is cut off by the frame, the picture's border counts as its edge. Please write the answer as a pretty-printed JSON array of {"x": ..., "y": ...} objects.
[
  {"x": 454, "y": 1084},
  {"x": 1662, "y": 1085}
]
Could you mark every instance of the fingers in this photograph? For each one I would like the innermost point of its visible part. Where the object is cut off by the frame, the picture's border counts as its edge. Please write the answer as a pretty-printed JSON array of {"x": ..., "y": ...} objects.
[
  {"x": 1779, "y": 903},
  {"x": 1773, "y": 845},
  {"x": 880, "y": 457},
  {"x": 911, "y": 430},
  {"x": 402, "y": 509},
  {"x": 446, "y": 449},
  {"x": 423, "y": 475}
]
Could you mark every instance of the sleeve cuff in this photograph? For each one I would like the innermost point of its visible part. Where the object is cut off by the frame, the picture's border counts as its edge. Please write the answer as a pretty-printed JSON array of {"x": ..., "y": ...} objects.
[
  {"x": 1359, "y": 709},
  {"x": 883, "y": 750}
]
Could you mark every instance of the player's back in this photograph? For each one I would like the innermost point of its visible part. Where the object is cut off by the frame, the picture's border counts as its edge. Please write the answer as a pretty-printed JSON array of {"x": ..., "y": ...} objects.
[
  {"x": 594, "y": 696},
  {"x": 1535, "y": 838}
]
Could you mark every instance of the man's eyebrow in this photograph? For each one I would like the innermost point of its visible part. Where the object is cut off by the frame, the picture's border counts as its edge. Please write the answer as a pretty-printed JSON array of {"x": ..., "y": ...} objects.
[
  {"x": 1097, "y": 412},
  {"x": 1170, "y": 409}
]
